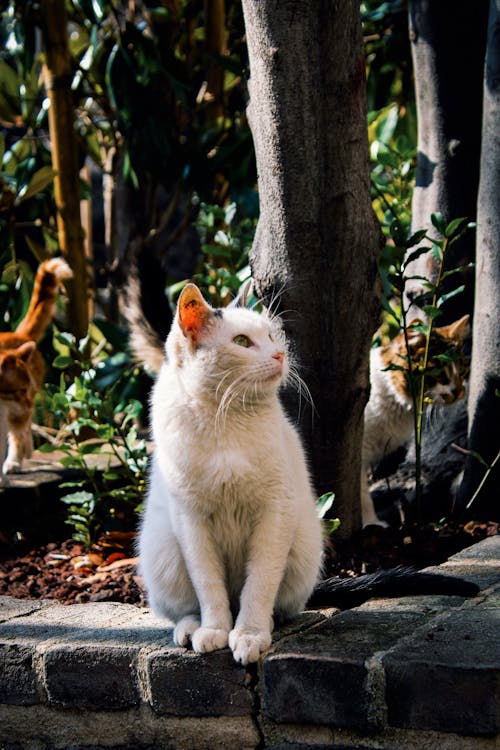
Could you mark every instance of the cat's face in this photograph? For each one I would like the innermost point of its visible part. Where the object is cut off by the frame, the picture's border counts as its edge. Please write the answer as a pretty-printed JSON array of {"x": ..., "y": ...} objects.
[
  {"x": 15, "y": 375},
  {"x": 447, "y": 366},
  {"x": 233, "y": 354}
]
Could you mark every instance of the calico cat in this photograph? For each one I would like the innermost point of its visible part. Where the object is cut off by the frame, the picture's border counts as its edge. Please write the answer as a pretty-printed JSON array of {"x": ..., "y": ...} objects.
[
  {"x": 22, "y": 368},
  {"x": 230, "y": 537},
  {"x": 388, "y": 418}
]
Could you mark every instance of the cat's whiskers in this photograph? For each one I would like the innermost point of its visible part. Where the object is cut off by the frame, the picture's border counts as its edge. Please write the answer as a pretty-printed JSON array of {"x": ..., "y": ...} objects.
[
  {"x": 301, "y": 387},
  {"x": 231, "y": 393}
]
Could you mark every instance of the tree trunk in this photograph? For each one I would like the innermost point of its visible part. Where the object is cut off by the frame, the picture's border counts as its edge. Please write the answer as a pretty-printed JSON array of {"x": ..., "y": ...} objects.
[
  {"x": 448, "y": 47},
  {"x": 484, "y": 404},
  {"x": 58, "y": 76},
  {"x": 316, "y": 240}
]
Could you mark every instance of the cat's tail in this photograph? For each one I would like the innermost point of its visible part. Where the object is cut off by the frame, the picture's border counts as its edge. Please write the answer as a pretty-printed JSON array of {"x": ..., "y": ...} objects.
[
  {"x": 395, "y": 582},
  {"x": 48, "y": 277},
  {"x": 146, "y": 344}
]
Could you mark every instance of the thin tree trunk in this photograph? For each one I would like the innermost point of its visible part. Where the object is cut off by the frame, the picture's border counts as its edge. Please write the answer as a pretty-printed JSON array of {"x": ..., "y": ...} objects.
[
  {"x": 316, "y": 240},
  {"x": 58, "y": 76},
  {"x": 484, "y": 394},
  {"x": 448, "y": 47},
  {"x": 215, "y": 45}
]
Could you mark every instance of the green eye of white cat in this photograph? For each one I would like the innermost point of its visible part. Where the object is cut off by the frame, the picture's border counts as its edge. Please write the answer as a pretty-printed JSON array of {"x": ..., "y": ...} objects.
[{"x": 242, "y": 340}]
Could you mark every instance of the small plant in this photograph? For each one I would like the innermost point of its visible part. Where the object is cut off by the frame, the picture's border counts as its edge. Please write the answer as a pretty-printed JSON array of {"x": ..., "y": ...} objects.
[
  {"x": 324, "y": 504},
  {"x": 398, "y": 256},
  {"x": 225, "y": 244},
  {"x": 97, "y": 420}
]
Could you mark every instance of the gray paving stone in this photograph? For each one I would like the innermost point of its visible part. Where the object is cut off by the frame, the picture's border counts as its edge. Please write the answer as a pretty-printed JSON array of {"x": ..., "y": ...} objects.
[
  {"x": 183, "y": 683},
  {"x": 321, "y": 677},
  {"x": 487, "y": 550},
  {"x": 17, "y": 675},
  {"x": 99, "y": 678},
  {"x": 11, "y": 607},
  {"x": 447, "y": 678}
]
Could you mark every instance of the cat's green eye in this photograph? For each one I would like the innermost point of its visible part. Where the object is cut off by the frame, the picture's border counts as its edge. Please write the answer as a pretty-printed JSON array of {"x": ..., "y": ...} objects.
[{"x": 242, "y": 340}]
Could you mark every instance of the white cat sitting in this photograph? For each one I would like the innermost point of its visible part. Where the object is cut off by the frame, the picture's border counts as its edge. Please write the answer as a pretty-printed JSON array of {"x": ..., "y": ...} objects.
[{"x": 230, "y": 528}]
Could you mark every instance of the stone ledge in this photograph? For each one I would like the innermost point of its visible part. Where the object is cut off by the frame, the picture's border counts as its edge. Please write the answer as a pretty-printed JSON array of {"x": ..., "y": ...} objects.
[{"x": 422, "y": 672}]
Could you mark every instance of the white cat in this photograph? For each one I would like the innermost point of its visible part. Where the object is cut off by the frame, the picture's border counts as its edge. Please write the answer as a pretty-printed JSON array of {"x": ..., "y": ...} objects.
[
  {"x": 389, "y": 414},
  {"x": 230, "y": 536}
]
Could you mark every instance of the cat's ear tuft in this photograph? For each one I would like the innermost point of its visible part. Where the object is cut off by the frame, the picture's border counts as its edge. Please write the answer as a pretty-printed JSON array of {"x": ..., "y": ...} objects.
[
  {"x": 25, "y": 351},
  {"x": 460, "y": 329},
  {"x": 193, "y": 312}
]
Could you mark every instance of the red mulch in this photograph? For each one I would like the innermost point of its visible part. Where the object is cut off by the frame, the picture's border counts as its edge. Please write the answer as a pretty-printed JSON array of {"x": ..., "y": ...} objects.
[{"x": 66, "y": 572}]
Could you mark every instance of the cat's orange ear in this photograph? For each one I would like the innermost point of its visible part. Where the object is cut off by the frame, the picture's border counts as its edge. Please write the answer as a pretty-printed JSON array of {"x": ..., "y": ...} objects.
[
  {"x": 25, "y": 351},
  {"x": 193, "y": 312},
  {"x": 460, "y": 329}
]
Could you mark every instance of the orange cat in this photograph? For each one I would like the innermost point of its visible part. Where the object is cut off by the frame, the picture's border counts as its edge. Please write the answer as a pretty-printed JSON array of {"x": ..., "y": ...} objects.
[{"x": 22, "y": 367}]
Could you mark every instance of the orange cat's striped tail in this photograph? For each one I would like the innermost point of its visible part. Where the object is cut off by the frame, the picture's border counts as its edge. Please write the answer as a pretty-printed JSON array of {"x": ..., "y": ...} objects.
[{"x": 43, "y": 299}]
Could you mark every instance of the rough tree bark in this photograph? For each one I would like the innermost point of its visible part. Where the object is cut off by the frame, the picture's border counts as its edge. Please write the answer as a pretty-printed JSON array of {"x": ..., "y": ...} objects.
[
  {"x": 448, "y": 40},
  {"x": 484, "y": 404},
  {"x": 317, "y": 240}
]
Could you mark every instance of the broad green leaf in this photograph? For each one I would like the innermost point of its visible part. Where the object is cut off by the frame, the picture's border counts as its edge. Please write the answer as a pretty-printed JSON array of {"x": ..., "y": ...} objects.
[
  {"x": 438, "y": 222},
  {"x": 416, "y": 238},
  {"x": 431, "y": 311},
  {"x": 324, "y": 503},
  {"x": 79, "y": 498},
  {"x": 454, "y": 226},
  {"x": 40, "y": 180},
  {"x": 62, "y": 362}
]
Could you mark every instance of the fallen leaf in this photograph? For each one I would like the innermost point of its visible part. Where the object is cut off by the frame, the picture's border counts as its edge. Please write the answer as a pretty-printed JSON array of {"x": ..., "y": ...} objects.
[{"x": 127, "y": 562}]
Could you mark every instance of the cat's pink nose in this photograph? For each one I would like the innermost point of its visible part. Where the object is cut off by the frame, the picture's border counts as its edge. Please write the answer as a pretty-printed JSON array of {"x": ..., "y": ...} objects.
[{"x": 280, "y": 356}]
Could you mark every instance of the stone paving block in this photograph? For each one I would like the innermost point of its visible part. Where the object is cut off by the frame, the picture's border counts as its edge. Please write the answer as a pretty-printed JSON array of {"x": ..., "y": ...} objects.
[
  {"x": 447, "y": 678},
  {"x": 321, "y": 677},
  {"x": 182, "y": 683},
  {"x": 487, "y": 550},
  {"x": 17, "y": 675},
  {"x": 92, "y": 677},
  {"x": 11, "y": 607}
]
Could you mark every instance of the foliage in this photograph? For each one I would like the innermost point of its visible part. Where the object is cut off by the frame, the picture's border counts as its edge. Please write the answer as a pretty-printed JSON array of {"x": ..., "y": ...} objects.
[
  {"x": 324, "y": 504},
  {"x": 225, "y": 244},
  {"x": 399, "y": 254},
  {"x": 388, "y": 57},
  {"x": 98, "y": 420}
]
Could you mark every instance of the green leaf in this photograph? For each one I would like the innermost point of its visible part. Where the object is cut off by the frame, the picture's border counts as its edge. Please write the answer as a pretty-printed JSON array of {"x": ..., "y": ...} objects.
[
  {"x": 445, "y": 297},
  {"x": 40, "y": 180},
  {"x": 438, "y": 222},
  {"x": 79, "y": 498},
  {"x": 62, "y": 362},
  {"x": 431, "y": 311},
  {"x": 324, "y": 503},
  {"x": 49, "y": 448},
  {"x": 331, "y": 525},
  {"x": 415, "y": 254},
  {"x": 455, "y": 226},
  {"x": 416, "y": 238}
]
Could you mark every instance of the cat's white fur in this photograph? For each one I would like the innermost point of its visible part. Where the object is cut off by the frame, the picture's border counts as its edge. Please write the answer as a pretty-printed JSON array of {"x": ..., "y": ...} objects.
[{"x": 230, "y": 536}]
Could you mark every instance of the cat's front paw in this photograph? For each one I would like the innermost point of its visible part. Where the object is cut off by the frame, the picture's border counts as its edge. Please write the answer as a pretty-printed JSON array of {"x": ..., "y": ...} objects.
[
  {"x": 247, "y": 644},
  {"x": 183, "y": 631},
  {"x": 12, "y": 466},
  {"x": 209, "y": 639}
]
